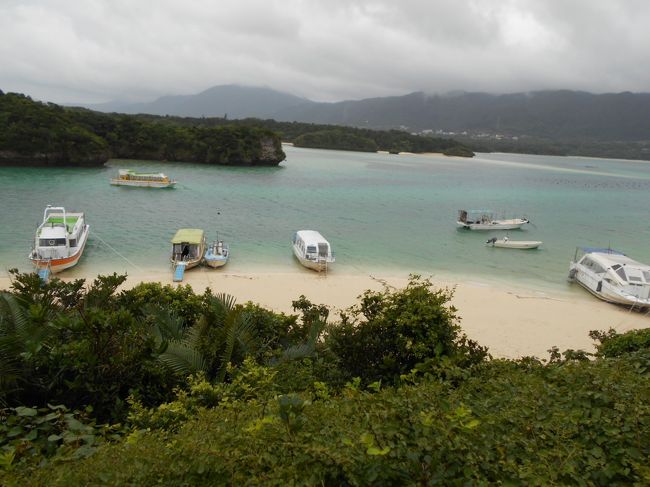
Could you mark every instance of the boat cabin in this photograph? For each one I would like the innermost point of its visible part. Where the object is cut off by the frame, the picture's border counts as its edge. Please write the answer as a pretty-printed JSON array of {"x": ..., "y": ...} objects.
[
  {"x": 188, "y": 245},
  {"x": 129, "y": 175},
  {"x": 311, "y": 245},
  {"x": 59, "y": 232}
]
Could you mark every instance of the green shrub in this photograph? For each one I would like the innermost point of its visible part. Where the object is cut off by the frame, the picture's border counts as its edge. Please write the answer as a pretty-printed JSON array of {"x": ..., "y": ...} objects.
[
  {"x": 614, "y": 344},
  {"x": 390, "y": 332}
]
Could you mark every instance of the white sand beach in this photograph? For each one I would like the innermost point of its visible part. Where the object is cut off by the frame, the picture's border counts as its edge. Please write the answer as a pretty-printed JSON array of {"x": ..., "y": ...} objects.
[{"x": 511, "y": 322}]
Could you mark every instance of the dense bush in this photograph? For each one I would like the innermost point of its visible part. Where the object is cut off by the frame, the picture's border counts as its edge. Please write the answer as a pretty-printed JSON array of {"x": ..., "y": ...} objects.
[
  {"x": 581, "y": 423},
  {"x": 389, "y": 333},
  {"x": 614, "y": 344}
]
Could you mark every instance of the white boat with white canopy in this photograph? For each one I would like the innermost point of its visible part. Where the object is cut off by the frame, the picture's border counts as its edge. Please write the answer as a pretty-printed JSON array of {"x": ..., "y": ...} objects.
[
  {"x": 312, "y": 250},
  {"x": 612, "y": 276},
  {"x": 507, "y": 243},
  {"x": 486, "y": 220},
  {"x": 60, "y": 240}
]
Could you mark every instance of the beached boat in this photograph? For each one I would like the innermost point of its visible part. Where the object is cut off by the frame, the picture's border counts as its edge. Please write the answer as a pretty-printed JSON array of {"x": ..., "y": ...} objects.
[
  {"x": 506, "y": 243},
  {"x": 217, "y": 254},
  {"x": 188, "y": 249},
  {"x": 312, "y": 250},
  {"x": 485, "y": 220},
  {"x": 612, "y": 276},
  {"x": 60, "y": 240},
  {"x": 126, "y": 177}
]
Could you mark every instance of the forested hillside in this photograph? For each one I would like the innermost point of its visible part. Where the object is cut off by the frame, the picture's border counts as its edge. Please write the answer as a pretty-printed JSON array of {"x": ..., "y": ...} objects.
[{"x": 34, "y": 133}]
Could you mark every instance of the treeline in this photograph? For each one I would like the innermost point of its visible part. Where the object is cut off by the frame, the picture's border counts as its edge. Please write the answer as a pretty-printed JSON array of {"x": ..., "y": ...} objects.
[
  {"x": 334, "y": 137},
  {"x": 99, "y": 386},
  {"x": 583, "y": 147},
  {"x": 47, "y": 134}
]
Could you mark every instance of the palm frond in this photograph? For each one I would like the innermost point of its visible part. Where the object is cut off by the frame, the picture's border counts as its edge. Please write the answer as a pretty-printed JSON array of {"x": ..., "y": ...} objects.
[
  {"x": 227, "y": 300},
  {"x": 168, "y": 325},
  {"x": 13, "y": 314},
  {"x": 182, "y": 359}
]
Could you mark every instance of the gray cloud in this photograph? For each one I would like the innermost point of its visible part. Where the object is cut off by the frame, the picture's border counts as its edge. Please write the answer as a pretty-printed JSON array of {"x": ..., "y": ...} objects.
[{"x": 98, "y": 50}]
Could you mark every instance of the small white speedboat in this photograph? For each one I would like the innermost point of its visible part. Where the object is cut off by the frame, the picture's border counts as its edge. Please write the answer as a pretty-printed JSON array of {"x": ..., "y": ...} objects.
[
  {"x": 312, "y": 250},
  {"x": 506, "y": 243},
  {"x": 612, "y": 276},
  {"x": 217, "y": 254}
]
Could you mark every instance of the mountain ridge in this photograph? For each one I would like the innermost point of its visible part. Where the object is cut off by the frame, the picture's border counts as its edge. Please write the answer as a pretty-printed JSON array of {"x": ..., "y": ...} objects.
[{"x": 554, "y": 114}]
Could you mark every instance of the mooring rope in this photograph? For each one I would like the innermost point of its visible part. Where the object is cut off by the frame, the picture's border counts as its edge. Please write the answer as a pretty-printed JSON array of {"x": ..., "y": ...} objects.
[{"x": 127, "y": 260}]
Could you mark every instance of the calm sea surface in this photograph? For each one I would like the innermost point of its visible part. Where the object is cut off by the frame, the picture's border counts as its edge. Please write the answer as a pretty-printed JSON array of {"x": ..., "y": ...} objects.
[{"x": 383, "y": 214}]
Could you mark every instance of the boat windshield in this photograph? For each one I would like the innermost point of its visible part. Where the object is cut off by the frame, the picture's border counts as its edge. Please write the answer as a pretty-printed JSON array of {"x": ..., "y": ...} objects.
[{"x": 51, "y": 242}]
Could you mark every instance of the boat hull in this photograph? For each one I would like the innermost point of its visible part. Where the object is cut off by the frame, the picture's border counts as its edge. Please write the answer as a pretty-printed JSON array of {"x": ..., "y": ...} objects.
[
  {"x": 495, "y": 225},
  {"x": 143, "y": 184},
  {"x": 318, "y": 266},
  {"x": 516, "y": 244},
  {"x": 215, "y": 262},
  {"x": 61, "y": 264},
  {"x": 189, "y": 264}
]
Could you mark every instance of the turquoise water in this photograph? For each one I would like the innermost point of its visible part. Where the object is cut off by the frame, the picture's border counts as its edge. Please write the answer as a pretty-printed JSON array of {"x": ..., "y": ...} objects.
[{"x": 383, "y": 214}]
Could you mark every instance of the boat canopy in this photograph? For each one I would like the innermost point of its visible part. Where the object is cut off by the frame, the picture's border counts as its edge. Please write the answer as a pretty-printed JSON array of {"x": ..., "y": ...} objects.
[
  {"x": 188, "y": 235},
  {"x": 311, "y": 237},
  {"x": 600, "y": 250}
]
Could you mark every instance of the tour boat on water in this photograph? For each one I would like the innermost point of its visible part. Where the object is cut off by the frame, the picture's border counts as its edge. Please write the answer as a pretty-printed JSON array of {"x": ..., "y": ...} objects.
[
  {"x": 612, "y": 276},
  {"x": 60, "y": 240},
  {"x": 127, "y": 177},
  {"x": 217, "y": 254},
  {"x": 312, "y": 250},
  {"x": 485, "y": 220},
  {"x": 506, "y": 243}
]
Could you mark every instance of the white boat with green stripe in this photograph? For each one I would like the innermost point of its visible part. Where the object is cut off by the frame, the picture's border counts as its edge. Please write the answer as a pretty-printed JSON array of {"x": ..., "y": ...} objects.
[{"x": 60, "y": 240}]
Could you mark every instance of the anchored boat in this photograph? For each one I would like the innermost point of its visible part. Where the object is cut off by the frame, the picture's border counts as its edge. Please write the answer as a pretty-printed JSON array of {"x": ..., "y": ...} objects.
[
  {"x": 485, "y": 220},
  {"x": 217, "y": 254},
  {"x": 127, "y": 177},
  {"x": 60, "y": 240},
  {"x": 612, "y": 276},
  {"x": 188, "y": 249},
  {"x": 312, "y": 250},
  {"x": 506, "y": 243}
]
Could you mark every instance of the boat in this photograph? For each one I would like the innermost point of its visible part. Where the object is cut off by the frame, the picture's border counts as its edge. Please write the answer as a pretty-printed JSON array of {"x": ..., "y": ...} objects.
[
  {"x": 217, "y": 254},
  {"x": 506, "y": 243},
  {"x": 485, "y": 220},
  {"x": 60, "y": 240},
  {"x": 127, "y": 177},
  {"x": 188, "y": 249},
  {"x": 312, "y": 250},
  {"x": 612, "y": 276}
]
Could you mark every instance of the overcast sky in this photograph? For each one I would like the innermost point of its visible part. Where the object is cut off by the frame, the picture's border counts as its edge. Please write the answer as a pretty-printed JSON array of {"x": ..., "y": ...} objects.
[{"x": 99, "y": 50}]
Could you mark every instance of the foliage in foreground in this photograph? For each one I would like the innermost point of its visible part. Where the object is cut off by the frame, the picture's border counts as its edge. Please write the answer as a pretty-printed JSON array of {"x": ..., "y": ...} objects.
[
  {"x": 393, "y": 394},
  {"x": 577, "y": 423}
]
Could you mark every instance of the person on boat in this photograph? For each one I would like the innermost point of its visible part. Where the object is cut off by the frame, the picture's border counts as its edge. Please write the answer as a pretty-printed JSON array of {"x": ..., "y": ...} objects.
[{"x": 186, "y": 252}]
